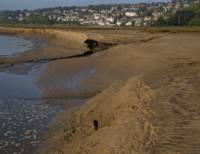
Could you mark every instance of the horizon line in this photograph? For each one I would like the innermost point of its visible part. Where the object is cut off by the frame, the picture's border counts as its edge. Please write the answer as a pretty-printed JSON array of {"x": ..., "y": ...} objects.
[{"x": 87, "y": 5}]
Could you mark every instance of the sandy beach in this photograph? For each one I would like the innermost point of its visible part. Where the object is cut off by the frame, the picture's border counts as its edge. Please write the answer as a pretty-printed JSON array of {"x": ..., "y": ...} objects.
[{"x": 144, "y": 90}]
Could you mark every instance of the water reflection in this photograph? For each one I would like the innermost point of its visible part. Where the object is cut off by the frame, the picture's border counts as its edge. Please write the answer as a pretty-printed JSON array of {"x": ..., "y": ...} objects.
[
  {"x": 25, "y": 113},
  {"x": 24, "y": 116},
  {"x": 64, "y": 78},
  {"x": 10, "y": 45},
  {"x": 17, "y": 86},
  {"x": 25, "y": 110}
]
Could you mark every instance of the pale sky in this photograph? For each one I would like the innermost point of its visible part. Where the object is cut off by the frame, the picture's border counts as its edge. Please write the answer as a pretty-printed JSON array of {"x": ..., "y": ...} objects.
[{"x": 34, "y": 4}]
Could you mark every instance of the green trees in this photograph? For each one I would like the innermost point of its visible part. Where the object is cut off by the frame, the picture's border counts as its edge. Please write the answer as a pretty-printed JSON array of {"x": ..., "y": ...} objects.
[
  {"x": 181, "y": 18},
  {"x": 161, "y": 22},
  {"x": 185, "y": 17},
  {"x": 8, "y": 16},
  {"x": 195, "y": 22},
  {"x": 38, "y": 19}
]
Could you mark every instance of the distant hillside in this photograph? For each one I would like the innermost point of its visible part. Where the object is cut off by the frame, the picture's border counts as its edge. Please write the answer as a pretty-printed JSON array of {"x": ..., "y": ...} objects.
[
  {"x": 185, "y": 17},
  {"x": 174, "y": 13}
]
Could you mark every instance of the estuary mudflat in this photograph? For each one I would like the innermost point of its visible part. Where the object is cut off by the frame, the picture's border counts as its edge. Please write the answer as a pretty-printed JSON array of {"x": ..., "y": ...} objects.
[
  {"x": 144, "y": 89},
  {"x": 24, "y": 112}
]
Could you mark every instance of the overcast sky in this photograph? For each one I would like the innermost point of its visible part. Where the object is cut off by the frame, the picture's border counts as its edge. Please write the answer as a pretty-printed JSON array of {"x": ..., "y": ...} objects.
[{"x": 33, "y": 4}]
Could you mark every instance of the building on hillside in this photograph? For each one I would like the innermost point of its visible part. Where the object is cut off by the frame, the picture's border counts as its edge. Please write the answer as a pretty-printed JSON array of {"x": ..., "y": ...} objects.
[{"x": 130, "y": 14}]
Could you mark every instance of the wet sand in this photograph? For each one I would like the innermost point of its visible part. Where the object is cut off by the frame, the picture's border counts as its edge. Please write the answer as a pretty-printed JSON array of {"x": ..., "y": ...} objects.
[
  {"x": 24, "y": 112},
  {"x": 145, "y": 88}
]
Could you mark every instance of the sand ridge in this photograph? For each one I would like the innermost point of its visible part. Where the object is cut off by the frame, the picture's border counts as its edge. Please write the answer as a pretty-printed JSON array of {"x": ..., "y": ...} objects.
[
  {"x": 146, "y": 91},
  {"x": 148, "y": 100}
]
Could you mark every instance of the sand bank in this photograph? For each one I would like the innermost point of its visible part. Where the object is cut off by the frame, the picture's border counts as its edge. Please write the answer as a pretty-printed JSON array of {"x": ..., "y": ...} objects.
[
  {"x": 146, "y": 91},
  {"x": 149, "y": 103},
  {"x": 59, "y": 44}
]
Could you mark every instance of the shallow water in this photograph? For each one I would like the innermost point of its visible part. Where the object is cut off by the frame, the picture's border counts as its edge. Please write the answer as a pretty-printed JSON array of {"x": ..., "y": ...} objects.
[
  {"x": 22, "y": 124},
  {"x": 25, "y": 112},
  {"x": 24, "y": 116},
  {"x": 17, "y": 86},
  {"x": 59, "y": 84},
  {"x": 11, "y": 45},
  {"x": 73, "y": 80}
]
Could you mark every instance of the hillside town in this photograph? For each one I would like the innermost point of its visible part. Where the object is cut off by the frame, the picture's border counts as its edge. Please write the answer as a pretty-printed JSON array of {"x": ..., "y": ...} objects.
[{"x": 140, "y": 14}]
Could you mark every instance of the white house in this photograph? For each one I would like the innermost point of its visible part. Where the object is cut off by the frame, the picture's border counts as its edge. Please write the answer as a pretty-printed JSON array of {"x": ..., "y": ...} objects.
[
  {"x": 129, "y": 23},
  {"x": 96, "y": 16},
  {"x": 131, "y": 14},
  {"x": 110, "y": 19},
  {"x": 119, "y": 23}
]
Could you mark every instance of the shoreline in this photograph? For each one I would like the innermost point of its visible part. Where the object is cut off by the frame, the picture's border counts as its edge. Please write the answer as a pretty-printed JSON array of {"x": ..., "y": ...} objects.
[
  {"x": 134, "y": 79},
  {"x": 43, "y": 52},
  {"x": 143, "y": 85}
]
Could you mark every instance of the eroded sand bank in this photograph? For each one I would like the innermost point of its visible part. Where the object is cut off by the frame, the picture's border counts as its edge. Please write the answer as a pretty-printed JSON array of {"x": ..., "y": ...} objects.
[
  {"x": 151, "y": 105},
  {"x": 147, "y": 95},
  {"x": 59, "y": 44}
]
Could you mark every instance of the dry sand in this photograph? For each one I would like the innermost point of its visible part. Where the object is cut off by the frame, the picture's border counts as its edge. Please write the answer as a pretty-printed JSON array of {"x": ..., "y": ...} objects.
[
  {"x": 150, "y": 105},
  {"x": 147, "y": 95}
]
